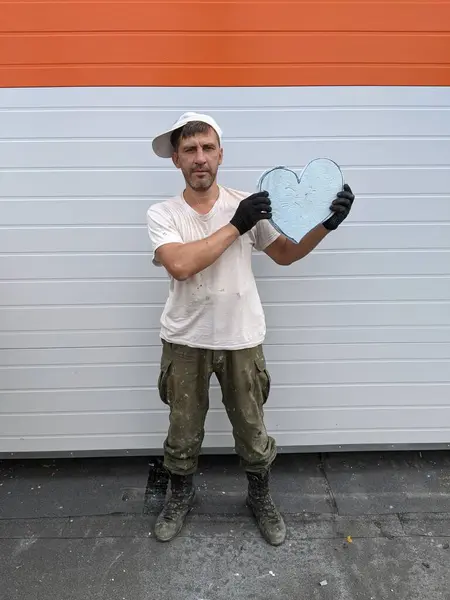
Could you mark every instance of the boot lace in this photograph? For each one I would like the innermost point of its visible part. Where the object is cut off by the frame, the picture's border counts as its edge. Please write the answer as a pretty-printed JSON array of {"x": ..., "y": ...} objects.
[
  {"x": 268, "y": 508},
  {"x": 172, "y": 509},
  {"x": 176, "y": 503}
]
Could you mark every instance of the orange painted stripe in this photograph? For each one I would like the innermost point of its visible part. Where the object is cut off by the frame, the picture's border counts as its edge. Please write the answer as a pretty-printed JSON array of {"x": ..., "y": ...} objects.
[
  {"x": 284, "y": 75},
  {"x": 69, "y": 43},
  {"x": 69, "y": 16},
  {"x": 235, "y": 49}
]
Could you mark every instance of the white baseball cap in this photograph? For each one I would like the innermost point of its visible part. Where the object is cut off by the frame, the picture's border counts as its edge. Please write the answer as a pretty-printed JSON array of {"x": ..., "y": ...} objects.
[{"x": 161, "y": 143}]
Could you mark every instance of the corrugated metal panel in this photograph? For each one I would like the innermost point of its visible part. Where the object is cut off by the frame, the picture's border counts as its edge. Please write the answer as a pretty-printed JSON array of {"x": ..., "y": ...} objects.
[
  {"x": 144, "y": 182},
  {"x": 226, "y": 43},
  {"x": 358, "y": 337},
  {"x": 241, "y": 153}
]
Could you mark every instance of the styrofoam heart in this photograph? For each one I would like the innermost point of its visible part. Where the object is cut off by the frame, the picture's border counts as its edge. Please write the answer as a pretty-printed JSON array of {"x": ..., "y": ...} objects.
[{"x": 301, "y": 203}]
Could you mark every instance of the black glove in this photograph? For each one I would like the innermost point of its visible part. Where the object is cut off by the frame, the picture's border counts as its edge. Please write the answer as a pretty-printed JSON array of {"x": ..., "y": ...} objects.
[
  {"x": 251, "y": 210},
  {"x": 341, "y": 207}
]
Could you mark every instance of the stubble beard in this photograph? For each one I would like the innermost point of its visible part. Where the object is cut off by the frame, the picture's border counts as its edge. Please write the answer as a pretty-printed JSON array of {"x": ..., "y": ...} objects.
[{"x": 200, "y": 185}]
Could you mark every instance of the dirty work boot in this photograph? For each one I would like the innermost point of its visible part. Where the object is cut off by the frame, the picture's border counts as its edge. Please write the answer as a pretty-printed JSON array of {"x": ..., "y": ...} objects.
[
  {"x": 180, "y": 502},
  {"x": 269, "y": 520}
]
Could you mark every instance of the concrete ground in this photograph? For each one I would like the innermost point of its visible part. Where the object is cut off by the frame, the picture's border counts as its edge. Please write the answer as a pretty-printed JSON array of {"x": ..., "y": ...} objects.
[{"x": 78, "y": 529}]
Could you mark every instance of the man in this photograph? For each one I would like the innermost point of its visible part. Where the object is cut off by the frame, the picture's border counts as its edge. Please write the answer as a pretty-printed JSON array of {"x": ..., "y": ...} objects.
[{"x": 213, "y": 321}]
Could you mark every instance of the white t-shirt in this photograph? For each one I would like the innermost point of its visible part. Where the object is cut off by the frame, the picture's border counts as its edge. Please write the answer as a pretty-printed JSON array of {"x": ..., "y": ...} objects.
[{"x": 219, "y": 308}]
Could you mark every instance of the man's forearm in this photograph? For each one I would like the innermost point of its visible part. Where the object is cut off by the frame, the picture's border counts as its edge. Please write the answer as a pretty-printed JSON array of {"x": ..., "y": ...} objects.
[
  {"x": 312, "y": 239},
  {"x": 186, "y": 260}
]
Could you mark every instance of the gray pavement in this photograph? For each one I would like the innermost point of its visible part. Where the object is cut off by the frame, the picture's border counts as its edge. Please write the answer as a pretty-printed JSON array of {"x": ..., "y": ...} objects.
[{"x": 82, "y": 528}]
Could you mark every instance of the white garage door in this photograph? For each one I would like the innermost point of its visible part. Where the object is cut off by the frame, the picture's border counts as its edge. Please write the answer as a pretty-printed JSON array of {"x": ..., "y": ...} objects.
[{"x": 358, "y": 340}]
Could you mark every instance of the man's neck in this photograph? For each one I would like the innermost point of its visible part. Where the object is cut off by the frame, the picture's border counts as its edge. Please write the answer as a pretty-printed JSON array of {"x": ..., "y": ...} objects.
[{"x": 201, "y": 201}]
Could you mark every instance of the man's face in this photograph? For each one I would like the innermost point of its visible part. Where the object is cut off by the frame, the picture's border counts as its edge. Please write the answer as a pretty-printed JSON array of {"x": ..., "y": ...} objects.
[{"x": 199, "y": 158}]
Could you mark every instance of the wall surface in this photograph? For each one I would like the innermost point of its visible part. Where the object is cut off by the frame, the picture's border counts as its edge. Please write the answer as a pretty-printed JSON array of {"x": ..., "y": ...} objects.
[
  {"x": 358, "y": 340},
  {"x": 358, "y": 332},
  {"x": 228, "y": 43}
]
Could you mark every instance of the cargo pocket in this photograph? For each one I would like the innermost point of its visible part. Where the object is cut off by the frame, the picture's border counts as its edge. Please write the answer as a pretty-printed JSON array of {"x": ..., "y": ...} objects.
[
  {"x": 166, "y": 363},
  {"x": 263, "y": 378}
]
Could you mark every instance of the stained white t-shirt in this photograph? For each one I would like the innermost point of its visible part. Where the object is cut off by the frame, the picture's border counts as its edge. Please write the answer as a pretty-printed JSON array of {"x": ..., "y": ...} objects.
[{"x": 220, "y": 307}]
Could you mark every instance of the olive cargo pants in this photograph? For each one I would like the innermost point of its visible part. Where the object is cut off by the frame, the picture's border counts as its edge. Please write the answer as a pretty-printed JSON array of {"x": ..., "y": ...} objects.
[{"x": 183, "y": 385}]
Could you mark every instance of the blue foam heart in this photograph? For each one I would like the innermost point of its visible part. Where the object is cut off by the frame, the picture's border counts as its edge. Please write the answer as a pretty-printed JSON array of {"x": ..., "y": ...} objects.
[{"x": 301, "y": 203}]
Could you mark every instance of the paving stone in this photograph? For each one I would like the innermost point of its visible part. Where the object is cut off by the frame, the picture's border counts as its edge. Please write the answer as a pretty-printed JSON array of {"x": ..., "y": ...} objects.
[
  {"x": 389, "y": 482},
  {"x": 32, "y": 528},
  {"x": 63, "y": 488},
  {"x": 431, "y": 525}
]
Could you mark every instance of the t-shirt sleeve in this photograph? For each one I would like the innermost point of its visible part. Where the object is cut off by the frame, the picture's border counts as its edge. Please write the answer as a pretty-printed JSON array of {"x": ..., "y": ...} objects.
[
  {"x": 264, "y": 234},
  {"x": 161, "y": 230}
]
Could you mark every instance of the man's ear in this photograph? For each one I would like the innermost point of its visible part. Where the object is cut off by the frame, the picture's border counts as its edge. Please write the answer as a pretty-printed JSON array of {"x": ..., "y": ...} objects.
[
  {"x": 220, "y": 156},
  {"x": 175, "y": 160}
]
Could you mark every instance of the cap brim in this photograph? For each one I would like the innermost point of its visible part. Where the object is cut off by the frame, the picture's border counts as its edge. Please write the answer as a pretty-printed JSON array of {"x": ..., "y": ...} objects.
[{"x": 161, "y": 145}]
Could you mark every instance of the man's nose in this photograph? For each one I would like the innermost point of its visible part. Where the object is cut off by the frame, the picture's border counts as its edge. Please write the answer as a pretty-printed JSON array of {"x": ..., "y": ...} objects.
[{"x": 200, "y": 157}]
